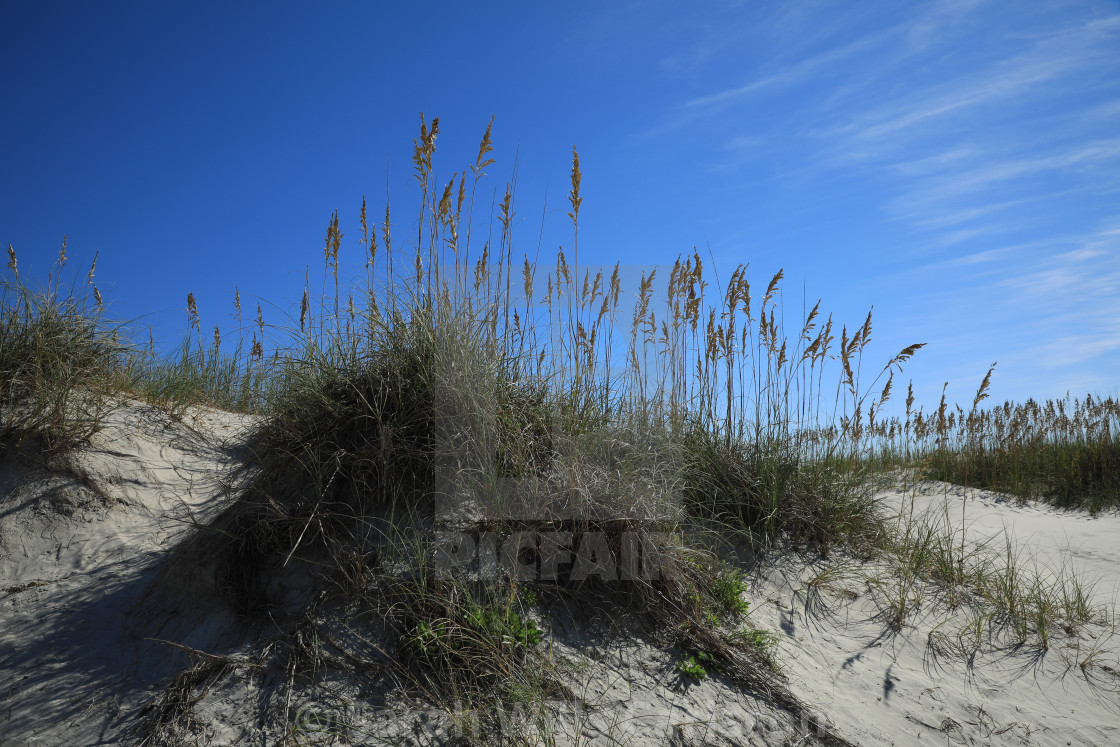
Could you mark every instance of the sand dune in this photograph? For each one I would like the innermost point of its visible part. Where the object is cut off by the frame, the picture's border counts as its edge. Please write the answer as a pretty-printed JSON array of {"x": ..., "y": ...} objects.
[{"x": 91, "y": 633}]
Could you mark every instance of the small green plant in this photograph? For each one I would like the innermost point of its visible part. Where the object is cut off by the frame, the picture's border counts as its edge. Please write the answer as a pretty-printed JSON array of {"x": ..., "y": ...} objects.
[
  {"x": 720, "y": 596},
  {"x": 501, "y": 628},
  {"x": 759, "y": 640},
  {"x": 506, "y": 626},
  {"x": 694, "y": 669},
  {"x": 429, "y": 638},
  {"x": 728, "y": 589},
  {"x": 762, "y": 643}
]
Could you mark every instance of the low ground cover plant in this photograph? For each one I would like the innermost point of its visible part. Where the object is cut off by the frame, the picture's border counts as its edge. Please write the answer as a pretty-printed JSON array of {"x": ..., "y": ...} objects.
[{"x": 693, "y": 666}]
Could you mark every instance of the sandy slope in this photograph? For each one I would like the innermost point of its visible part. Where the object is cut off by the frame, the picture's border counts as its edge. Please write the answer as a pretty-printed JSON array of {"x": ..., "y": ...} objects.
[
  {"x": 74, "y": 561},
  {"x": 927, "y": 683},
  {"x": 79, "y": 552}
]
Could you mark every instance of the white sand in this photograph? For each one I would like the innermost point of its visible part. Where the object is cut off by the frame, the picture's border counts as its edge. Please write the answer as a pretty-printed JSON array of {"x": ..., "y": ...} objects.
[
  {"x": 918, "y": 686},
  {"x": 75, "y": 667},
  {"x": 75, "y": 563}
]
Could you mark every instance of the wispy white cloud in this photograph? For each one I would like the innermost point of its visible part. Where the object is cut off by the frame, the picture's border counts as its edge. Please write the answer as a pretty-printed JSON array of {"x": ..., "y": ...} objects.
[
  {"x": 951, "y": 217},
  {"x": 1055, "y": 56},
  {"x": 979, "y": 258},
  {"x": 1072, "y": 348},
  {"x": 1069, "y": 279},
  {"x": 930, "y": 30},
  {"x": 793, "y": 74},
  {"x": 956, "y": 182},
  {"x": 745, "y": 141},
  {"x": 963, "y": 235},
  {"x": 1002, "y": 192},
  {"x": 877, "y": 125}
]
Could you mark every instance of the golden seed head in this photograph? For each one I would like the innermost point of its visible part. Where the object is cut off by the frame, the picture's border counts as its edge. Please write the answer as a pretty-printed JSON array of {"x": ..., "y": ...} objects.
[
  {"x": 486, "y": 146},
  {"x": 192, "y": 312},
  {"x": 527, "y": 277},
  {"x": 573, "y": 196}
]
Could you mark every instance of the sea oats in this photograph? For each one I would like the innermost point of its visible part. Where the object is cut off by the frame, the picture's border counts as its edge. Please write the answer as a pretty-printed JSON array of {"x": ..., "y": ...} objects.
[
  {"x": 982, "y": 392},
  {"x": 192, "y": 311},
  {"x": 304, "y": 307},
  {"x": 573, "y": 196},
  {"x": 527, "y": 271}
]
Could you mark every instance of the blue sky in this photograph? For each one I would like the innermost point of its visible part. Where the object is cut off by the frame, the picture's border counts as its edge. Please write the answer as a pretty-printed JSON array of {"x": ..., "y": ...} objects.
[{"x": 954, "y": 164}]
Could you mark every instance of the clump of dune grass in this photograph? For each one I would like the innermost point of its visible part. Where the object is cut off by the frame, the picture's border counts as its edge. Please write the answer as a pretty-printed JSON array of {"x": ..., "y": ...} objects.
[
  {"x": 64, "y": 362},
  {"x": 458, "y": 390},
  {"x": 60, "y": 357},
  {"x": 442, "y": 383}
]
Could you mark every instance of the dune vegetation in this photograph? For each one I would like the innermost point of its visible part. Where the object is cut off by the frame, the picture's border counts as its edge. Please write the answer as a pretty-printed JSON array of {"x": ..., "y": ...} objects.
[{"x": 459, "y": 390}]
